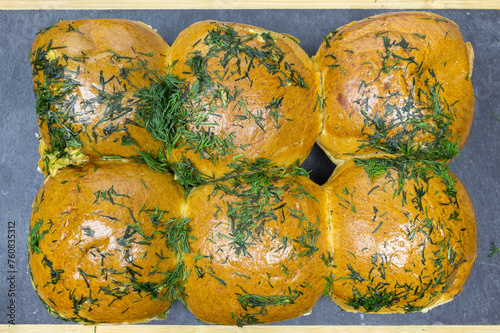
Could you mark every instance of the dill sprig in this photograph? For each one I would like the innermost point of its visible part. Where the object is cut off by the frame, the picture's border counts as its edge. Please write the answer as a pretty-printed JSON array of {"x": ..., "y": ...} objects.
[
  {"x": 71, "y": 119},
  {"x": 495, "y": 115},
  {"x": 157, "y": 163},
  {"x": 258, "y": 189},
  {"x": 410, "y": 179},
  {"x": 160, "y": 109},
  {"x": 252, "y": 301},
  {"x": 399, "y": 170},
  {"x": 228, "y": 45},
  {"x": 375, "y": 298},
  {"x": 55, "y": 274},
  {"x": 186, "y": 116},
  {"x": 420, "y": 129},
  {"x": 188, "y": 176},
  {"x": 174, "y": 283},
  {"x": 418, "y": 125},
  {"x": 36, "y": 235},
  {"x": 176, "y": 233}
]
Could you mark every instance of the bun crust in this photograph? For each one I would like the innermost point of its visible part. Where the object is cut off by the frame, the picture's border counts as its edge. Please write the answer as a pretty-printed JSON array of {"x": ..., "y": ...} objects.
[
  {"x": 86, "y": 74},
  {"x": 256, "y": 260},
  {"x": 98, "y": 249},
  {"x": 396, "y": 78},
  {"x": 398, "y": 249},
  {"x": 257, "y": 91}
]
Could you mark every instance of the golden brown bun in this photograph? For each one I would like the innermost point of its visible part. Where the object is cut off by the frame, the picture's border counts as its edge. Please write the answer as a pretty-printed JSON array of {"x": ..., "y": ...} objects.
[
  {"x": 390, "y": 256},
  {"x": 256, "y": 260},
  {"x": 261, "y": 103},
  {"x": 101, "y": 63},
  {"x": 97, "y": 250},
  {"x": 405, "y": 67}
]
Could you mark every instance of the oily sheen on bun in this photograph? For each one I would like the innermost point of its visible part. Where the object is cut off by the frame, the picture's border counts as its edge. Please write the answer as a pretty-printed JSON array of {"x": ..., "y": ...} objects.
[
  {"x": 396, "y": 82},
  {"x": 254, "y": 93},
  {"x": 101, "y": 247},
  {"x": 85, "y": 75},
  {"x": 261, "y": 252},
  {"x": 404, "y": 236}
]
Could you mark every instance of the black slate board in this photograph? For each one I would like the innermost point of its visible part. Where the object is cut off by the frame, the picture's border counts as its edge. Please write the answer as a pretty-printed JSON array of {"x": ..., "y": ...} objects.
[{"x": 477, "y": 166}]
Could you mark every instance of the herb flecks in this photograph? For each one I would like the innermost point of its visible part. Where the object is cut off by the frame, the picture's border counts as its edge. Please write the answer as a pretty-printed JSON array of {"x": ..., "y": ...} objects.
[
  {"x": 376, "y": 298},
  {"x": 55, "y": 274},
  {"x": 161, "y": 109},
  {"x": 419, "y": 129},
  {"x": 217, "y": 79},
  {"x": 55, "y": 103},
  {"x": 493, "y": 250},
  {"x": 411, "y": 181},
  {"x": 227, "y": 44},
  {"x": 257, "y": 190},
  {"x": 416, "y": 122},
  {"x": 108, "y": 195},
  {"x": 74, "y": 125},
  {"x": 36, "y": 235}
]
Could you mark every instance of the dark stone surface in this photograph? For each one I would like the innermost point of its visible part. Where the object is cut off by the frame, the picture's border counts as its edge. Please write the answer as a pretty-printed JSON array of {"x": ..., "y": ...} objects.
[{"x": 477, "y": 166}]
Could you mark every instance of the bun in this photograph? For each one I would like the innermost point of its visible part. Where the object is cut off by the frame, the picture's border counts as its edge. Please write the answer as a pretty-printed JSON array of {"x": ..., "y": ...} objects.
[
  {"x": 173, "y": 172},
  {"x": 404, "y": 240},
  {"x": 396, "y": 82},
  {"x": 86, "y": 74},
  {"x": 261, "y": 249},
  {"x": 251, "y": 88},
  {"x": 99, "y": 249}
]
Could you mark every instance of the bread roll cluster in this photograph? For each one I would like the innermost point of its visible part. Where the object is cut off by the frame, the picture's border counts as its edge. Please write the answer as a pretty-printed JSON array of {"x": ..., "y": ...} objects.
[{"x": 173, "y": 172}]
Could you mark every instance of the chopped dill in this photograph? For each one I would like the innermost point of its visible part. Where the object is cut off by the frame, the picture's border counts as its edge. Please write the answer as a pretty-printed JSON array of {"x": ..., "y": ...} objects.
[{"x": 493, "y": 250}]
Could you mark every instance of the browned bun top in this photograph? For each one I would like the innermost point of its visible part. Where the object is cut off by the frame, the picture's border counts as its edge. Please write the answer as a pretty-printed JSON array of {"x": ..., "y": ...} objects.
[
  {"x": 404, "y": 240},
  {"x": 86, "y": 74},
  {"x": 99, "y": 249},
  {"x": 253, "y": 93},
  {"x": 393, "y": 80},
  {"x": 261, "y": 251}
]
